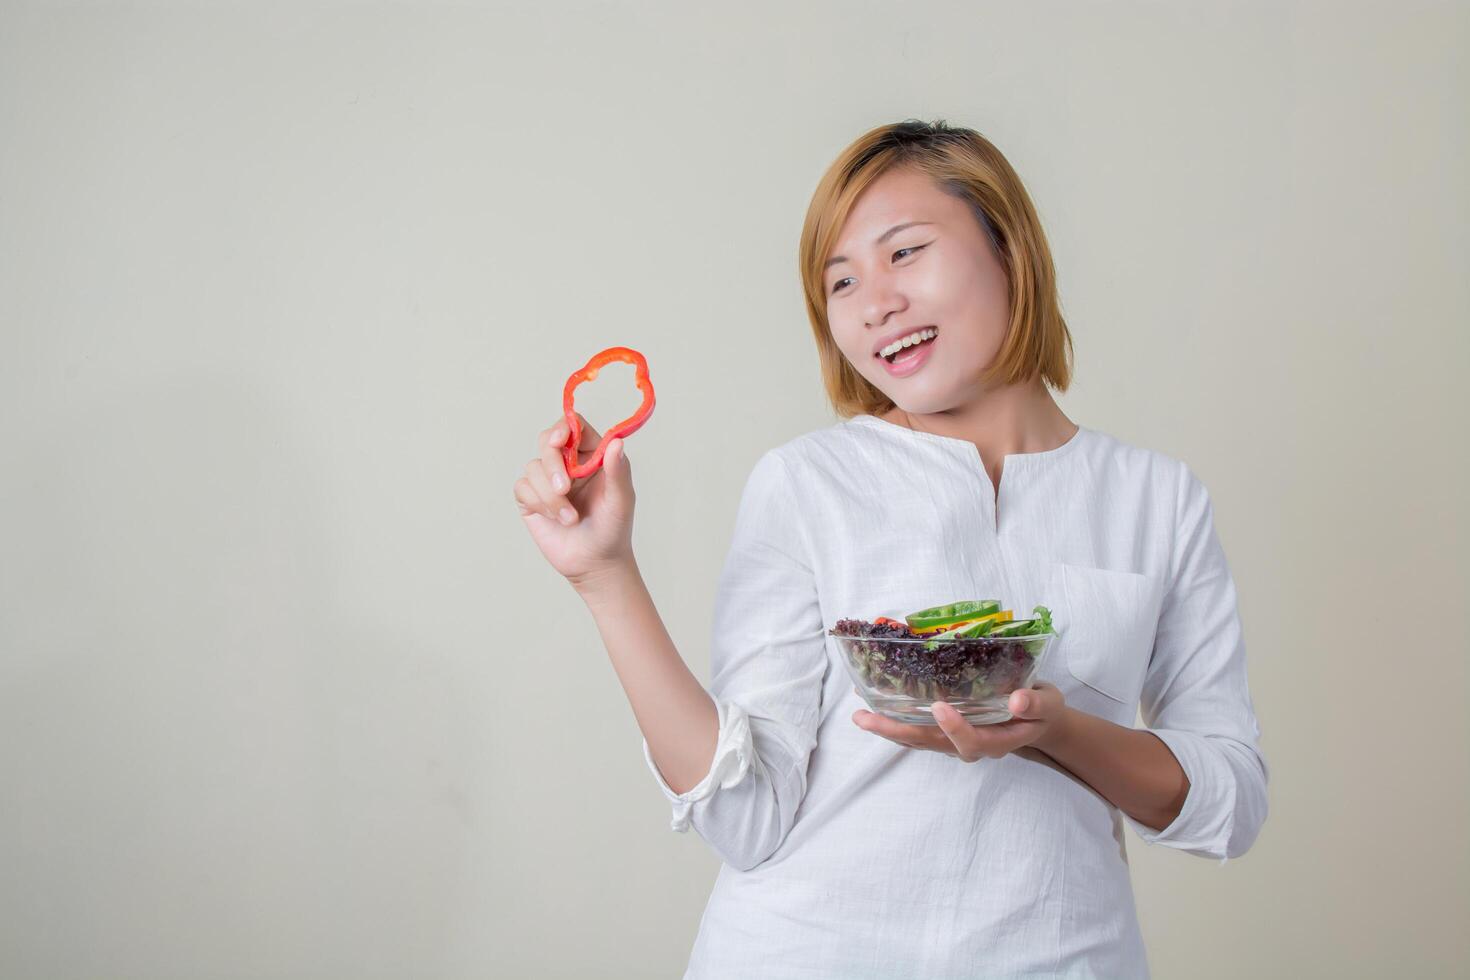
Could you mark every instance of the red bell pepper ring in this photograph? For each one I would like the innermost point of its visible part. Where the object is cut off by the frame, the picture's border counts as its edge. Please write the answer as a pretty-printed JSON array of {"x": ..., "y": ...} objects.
[{"x": 625, "y": 428}]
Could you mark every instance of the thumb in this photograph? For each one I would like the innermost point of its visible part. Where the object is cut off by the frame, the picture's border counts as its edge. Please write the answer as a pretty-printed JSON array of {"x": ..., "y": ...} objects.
[
  {"x": 616, "y": 465},
  {"x": 1026, "y": 703}
]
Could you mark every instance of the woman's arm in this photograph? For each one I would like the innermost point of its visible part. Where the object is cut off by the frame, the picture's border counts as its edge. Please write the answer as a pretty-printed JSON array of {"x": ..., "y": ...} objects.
[
  {"x": 1134, "y": 770},
  {"x": 732, "y": 761},
  {"x": 1195, "y": 699},
  {"x": 676, "y": 714},
  {"x": 1195, "y": 778},
  {"x": 1131, "y": 768}
]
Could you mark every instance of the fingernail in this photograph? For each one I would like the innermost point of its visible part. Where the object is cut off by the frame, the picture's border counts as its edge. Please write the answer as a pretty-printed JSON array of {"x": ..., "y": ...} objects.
[
  {"x": 1021, "y": 704},
  {"x": 568, "y": 515},
  {"x": 559, "y": 482}
]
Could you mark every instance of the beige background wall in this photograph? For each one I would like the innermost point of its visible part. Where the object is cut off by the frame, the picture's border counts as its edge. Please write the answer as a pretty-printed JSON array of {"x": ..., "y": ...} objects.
[{"x": 286, "y": 293}]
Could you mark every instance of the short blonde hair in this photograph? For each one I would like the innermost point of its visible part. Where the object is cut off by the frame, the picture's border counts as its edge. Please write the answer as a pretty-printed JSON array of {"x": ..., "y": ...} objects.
[{"x": 965, "y": 164}]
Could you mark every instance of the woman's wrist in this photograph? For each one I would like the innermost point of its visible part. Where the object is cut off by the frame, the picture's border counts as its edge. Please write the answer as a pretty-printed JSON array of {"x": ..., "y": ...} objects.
[
  {"x": 609, "y": 583},
  {"x": 1057, "y": 732}
]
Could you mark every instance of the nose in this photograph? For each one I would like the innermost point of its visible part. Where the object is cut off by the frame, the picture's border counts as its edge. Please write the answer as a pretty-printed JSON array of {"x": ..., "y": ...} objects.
[{"x": 882, "y": 298}]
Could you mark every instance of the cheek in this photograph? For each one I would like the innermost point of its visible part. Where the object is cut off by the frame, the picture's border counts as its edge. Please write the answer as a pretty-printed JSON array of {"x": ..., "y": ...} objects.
[
  {"x": 958, "y": 287},
  {"x": 987, "y": 315},
  {"x": 853, "y": 345}
]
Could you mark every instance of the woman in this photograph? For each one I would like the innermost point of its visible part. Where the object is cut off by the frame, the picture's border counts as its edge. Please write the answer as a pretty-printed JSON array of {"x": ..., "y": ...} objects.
[{"x": 992, "y": 850}]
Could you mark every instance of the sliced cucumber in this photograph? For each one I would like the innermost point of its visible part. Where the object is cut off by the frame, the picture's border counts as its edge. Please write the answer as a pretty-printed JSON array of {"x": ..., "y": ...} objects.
[
  {"x": 969, "y": 630},
  {"x": 964, "y": 629},
  {"x": 1018, "y": 626},
  {"x": 988, "y": 625}
]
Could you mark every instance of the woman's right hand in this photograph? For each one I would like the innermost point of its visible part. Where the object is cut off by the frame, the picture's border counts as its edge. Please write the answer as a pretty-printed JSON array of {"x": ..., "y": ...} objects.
[{"x": 599, "y": 538}]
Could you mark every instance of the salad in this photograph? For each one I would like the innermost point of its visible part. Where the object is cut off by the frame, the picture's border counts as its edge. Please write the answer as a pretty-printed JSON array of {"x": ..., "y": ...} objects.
[{"x": 971, "y": 650}]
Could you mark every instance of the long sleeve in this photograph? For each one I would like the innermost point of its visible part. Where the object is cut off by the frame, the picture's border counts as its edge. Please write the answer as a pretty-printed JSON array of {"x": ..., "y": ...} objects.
[
  {"x": 767, "y": 663},
  {"x": 1196, "y": 697}
]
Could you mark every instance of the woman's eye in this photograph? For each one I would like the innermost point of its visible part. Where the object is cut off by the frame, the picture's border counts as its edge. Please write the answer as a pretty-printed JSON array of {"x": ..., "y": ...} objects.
[{"x": 913, "y": 248}]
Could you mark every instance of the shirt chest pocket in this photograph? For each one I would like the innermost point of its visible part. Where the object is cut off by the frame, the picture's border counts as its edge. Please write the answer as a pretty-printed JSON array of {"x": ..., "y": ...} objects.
[{"x": 1106, "y": 628}]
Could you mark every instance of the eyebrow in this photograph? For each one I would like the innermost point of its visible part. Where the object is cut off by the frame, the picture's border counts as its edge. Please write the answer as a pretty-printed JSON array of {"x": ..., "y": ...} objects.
[{"x": 879, "y": 241}]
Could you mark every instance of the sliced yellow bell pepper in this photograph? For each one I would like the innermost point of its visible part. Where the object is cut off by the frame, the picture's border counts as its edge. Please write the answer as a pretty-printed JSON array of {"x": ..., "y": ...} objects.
[{"x": 1004, "y": 616}]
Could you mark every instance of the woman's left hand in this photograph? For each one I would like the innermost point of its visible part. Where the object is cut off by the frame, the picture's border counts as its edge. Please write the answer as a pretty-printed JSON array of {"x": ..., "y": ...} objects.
[{"x": 1037, "y": 711}]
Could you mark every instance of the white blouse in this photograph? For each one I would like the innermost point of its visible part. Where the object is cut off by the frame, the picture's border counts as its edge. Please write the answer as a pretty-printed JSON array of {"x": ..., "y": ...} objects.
[{"x": 847, "y": 855}]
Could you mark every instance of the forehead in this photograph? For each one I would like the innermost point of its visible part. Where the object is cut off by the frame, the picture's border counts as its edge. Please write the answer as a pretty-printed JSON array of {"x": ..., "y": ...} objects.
[{"x": 897, "y": 196}]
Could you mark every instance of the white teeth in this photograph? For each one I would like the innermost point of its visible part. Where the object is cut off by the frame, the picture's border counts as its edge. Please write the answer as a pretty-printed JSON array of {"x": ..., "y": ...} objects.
[{"x": 909, "y": 341}]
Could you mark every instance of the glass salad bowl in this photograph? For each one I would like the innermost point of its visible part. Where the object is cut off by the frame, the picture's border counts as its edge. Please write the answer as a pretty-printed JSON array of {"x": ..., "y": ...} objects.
[{"x": 900, "y": 674}]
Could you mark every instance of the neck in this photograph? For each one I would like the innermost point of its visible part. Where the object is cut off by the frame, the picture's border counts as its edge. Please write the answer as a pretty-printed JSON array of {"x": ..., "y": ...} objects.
[{"x": 1017, "y": 419}]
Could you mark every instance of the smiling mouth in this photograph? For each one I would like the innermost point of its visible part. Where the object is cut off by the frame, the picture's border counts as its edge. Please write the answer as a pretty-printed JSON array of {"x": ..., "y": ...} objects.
[{"x": 891, "y": 357}]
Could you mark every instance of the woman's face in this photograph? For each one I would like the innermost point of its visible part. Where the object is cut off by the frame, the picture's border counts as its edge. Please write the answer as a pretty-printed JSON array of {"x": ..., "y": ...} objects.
[{"x": 941, "y": 274}]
